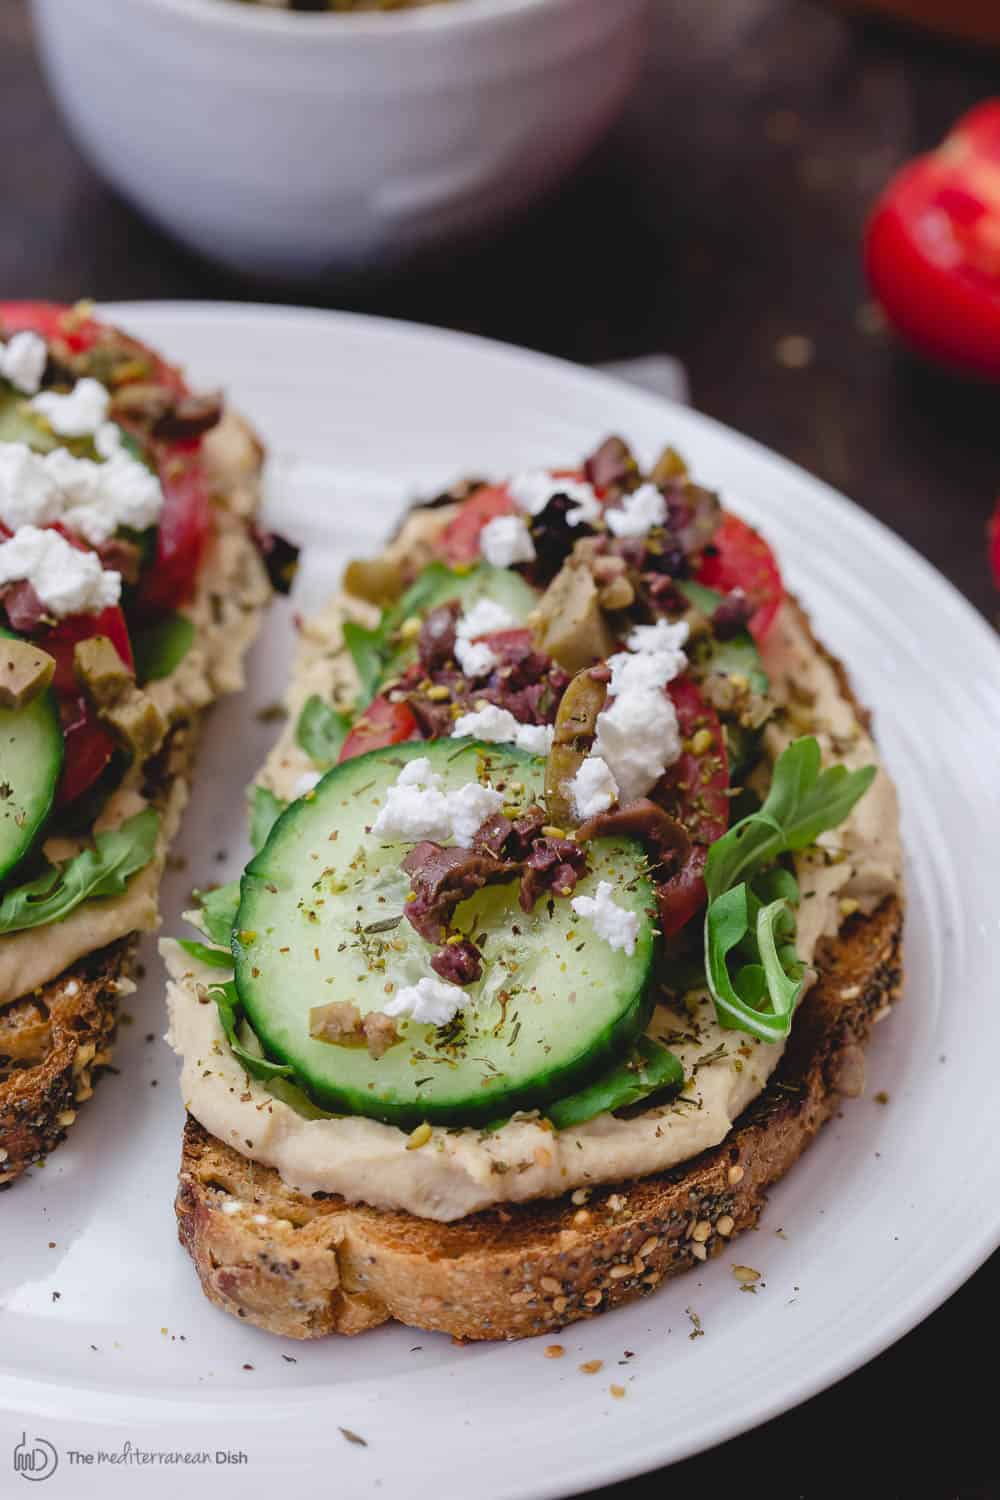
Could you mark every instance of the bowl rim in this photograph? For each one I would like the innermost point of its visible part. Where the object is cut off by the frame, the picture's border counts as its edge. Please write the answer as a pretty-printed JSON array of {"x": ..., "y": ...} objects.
[{"x": 265, "y": 20}]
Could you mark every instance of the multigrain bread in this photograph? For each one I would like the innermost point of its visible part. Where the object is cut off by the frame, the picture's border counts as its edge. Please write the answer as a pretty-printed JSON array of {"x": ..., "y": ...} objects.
[
  {"x": 308, "y": 1266},
  {"x": 305, "y": 1266},
  {"x": 56, "y": 1041}
]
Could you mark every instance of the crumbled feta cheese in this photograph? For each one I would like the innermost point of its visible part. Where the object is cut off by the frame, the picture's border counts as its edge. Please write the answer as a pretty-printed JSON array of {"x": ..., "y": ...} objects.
[
  {"x": 475, "y": 658},
  {"x": 536, "y": 739},
  {"x": 67, "y": 580},
  {"x": 28, "y": 494},
  {"x": 22, "y": 361},
  {"x": 92, "y": 499},
  {"x": 108, "y": 439},
  {"x": 307, "y": 783},
  {"x": 660, "y": 637},
  {"x": 469, "y": 807},
  {"x": 416, "y": 807},
  {"x": 637, "y": 735},
  {"x": 484, "y": 618},
  {"x": 640, "y": 511},
  {"x": 433, "y": 1002},
  {"x": 79, "y": 413},
  {"x": 498, "y": 726},
  {"x": 533, "y": 490},
  {"x": 495, "y": 725},
  {"x": 505, "y": 541},
  {"x": 593, "y": 789},
  {"x": 615, "y": 924}
]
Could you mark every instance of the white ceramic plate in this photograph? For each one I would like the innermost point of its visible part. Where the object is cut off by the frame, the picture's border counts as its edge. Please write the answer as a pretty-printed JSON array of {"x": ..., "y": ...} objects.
[{"x": 104, "y": 1335}]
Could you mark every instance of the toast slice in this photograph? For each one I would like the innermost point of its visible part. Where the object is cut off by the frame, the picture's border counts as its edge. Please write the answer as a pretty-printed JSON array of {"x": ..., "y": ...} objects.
[
  {"x": 308, "y": 1266},
  {"x": 56, "y": 1040},
  {"x": 305, "y": 1266}
]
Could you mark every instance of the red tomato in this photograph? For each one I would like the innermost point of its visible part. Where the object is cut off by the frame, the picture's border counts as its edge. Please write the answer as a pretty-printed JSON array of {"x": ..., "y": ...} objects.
[
  {"x": 741, "y": 559},
  {"x": 994, "y": 542},
  {"x": 459, "y": 542},
  {"x": 186, "y": 520},
  {"x": 932, "y": 247},
  {"x": 382, "y": 723},
  {"x": 695, "y": 790},
  {"x": 184, "y": 529},
  {"x": 89, "y": 746}
]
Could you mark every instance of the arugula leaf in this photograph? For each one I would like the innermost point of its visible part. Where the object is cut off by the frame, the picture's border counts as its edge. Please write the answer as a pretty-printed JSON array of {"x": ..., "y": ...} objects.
[
  {"x": 218, "y": 910},
  {"x": 219, "y": 958},
  {"x": 651, "y": 1070},
  {"x": 750, "y": 916},
  {"x": 232, "y": 1018},
  {"x": 103, "y": 870},
  {"x": 161, "y": 647},
  {"x": 321, "y": 731},
  {"x": 265, "y": 810},
  {"x": 803, "y": 802},
  {"x": 366, "y": 648}
]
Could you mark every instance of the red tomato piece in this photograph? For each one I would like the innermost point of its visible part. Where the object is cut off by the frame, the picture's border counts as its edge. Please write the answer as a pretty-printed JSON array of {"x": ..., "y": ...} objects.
[
  {"x": 741, "y": 559},
  {"x": 459, "y": 542},
  {"x": 89, "y": 746},
  {"x": 184, "y": 529},
  {"x": 695, "y": 789},
  {"x": 50, "y": 320},
  {"x": 932, "y": 247},
  {"x": 382, "y": 723}
]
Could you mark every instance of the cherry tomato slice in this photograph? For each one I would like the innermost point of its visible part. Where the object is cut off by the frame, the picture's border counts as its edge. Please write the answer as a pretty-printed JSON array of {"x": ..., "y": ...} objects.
[
  {"x": 89, "y": 746},
  {"x": 695, "y": 790},
  {"x": 741, "y": 559},
  {"x": 459, "y": 542},
  {"x": 184, "y": 529},
  {"x": 382, "y": 723},
  {"x": 932, "y": 247},
  {"x": 51, "y": 321}
]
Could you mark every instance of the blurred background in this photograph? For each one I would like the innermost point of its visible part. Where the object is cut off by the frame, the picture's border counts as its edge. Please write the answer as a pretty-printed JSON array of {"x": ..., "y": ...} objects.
[{"x": 719, "y": 220}]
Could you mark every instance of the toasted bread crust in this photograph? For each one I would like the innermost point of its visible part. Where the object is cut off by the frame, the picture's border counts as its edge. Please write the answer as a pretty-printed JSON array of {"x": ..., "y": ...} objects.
[{"x": 308, "y": 1266}]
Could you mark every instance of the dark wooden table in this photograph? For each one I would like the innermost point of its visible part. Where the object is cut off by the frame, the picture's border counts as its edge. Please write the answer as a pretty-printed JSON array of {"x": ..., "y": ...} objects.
[{"x": 720, "y": 221}]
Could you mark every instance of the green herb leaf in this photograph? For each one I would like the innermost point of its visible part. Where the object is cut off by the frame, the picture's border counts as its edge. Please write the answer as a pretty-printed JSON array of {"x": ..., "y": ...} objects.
[
  {"x": 219, "y": 958},
  {"x": 762, "y": 996},
  {"x": 103, "y": 870},
  {"x": 232, "y": 1018},
  {"x": 265, "y": 810},
  {"x": 218, "y": 910},
  {"x": 161, "y": 647},
  {"x": 321, "y": 731},
  {"x": 803, "y": 802},
  {"x": 651, "y": 1070},
  {"x": 365, "y": 647}
]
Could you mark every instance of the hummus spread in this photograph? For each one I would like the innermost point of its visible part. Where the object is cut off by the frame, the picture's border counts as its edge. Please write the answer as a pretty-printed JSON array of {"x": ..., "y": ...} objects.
[
  {"x": 458, "y": 1172},
  {"x": 232, "y": 591}
]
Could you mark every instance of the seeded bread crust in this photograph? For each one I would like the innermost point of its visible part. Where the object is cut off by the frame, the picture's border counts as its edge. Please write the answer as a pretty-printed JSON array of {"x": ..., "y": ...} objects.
[{"x": 57, "y": 1042}]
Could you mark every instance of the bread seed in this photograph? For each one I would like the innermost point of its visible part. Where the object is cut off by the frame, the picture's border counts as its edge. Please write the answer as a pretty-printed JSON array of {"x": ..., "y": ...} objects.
[
  {"x": 554, "y": 1351},
  {"x": 726, "y": 1225}
]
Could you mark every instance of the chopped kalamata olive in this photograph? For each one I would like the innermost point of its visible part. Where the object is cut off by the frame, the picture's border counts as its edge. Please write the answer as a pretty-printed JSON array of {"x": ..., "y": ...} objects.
[
  {"x": 436, "y": 642},
  {"x": 732, "y": 615},
  {"x": 458, "y": 963},
  {"x": 554, "y": 537},
  {"x": 189, "y": 417},
  {"x": 280, "y": 557},
  {"x": 612, "y": 467}
]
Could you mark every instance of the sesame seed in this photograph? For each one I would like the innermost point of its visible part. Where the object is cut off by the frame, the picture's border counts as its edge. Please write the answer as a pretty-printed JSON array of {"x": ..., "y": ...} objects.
[
  {"x": 419, "y": 1137},
  {"x": 554, "y": 1351},
  {"x": 549, "y": 1284},
  {"x": 648, "y": 1247},
  {"x": 726, "y": 1225},
  {"x": 592, "y": 1367},
  {"x": 617, "y": 1273},
  {"x": 746, "y": 1274},
  {"x": 618, "y": 1391},
  {"x": 736, "y": 1174},
  {"x": 592, "y": 1299},
  {"x": 580, "y": 1197},
  {"x": 701, "y": 1231},
  {"x": 559, "y": 1304},
  {"x": 698, "y": 1251}
]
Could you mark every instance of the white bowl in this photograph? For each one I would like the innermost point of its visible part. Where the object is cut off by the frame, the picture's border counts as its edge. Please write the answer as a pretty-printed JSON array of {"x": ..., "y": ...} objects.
[{"x": 294, "y": 144}]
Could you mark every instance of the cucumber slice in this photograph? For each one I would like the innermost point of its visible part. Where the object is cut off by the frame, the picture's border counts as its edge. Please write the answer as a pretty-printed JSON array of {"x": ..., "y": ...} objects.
[
  {"x": 31, "y": 757},
  {"x": 439, "y": 584},
  {"x": 321, "y": 919}
]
